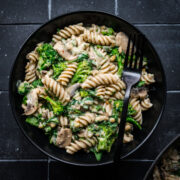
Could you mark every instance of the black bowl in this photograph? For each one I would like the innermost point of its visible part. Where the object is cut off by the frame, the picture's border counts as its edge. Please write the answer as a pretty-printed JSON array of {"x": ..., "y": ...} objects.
[
  {"x": 44, "y": 33},
  {"x": 175, "y": 143}
]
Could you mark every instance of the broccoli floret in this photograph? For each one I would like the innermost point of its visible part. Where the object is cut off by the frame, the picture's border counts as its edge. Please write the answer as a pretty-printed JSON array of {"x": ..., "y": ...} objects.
[
  {"x": 56, "y": 105},
  {"x": 108, "y": 32},
  {"x": 24, "y": 88},
  {"x": 37, "y": 83},
  {"x": 83, "y": 70},
  {"x": 107, "y": 135},
  {"x": 47, "y": 56},
  {"x": 58, "y": 68},
  {"x": 98, "y": 155},
  {"x": 134, "y": 122},
  {"x": 33, "y": 121},
  {"x": 119, "y": 59}
]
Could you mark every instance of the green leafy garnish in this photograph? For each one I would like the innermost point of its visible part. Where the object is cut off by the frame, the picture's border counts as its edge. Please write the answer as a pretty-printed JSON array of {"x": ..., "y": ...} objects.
[{"x": 108, "y": 32}]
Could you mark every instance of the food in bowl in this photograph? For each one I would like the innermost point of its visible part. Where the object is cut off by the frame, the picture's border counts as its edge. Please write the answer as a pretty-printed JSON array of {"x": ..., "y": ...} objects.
[
  {"x": 73, "y": 89},
  {"x": 169, "y": 166}
]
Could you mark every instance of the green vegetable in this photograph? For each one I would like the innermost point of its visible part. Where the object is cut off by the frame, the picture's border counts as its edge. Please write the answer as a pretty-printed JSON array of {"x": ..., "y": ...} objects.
[
  {"x": 98, "y": 155},
  {"x": 24, "y": 101},
  {"x": 107, "y": 136},
  {"x": 47, "y": 56},
  {"x": 37, "y": 83},
  {"x": 97, "y": 52},
  {"x": 47, "y": 129},
  {"x": 33, "y": 121},
  {"x": 83, "y": 70},
  {"x": 82, "y": 57},
  {"x": 83, "y": 93},
  {"x": 58, "y": 68},
  {"x": 140, "y": 84},
  {"x": 24, "y": 88},
  {"x": 53, "y": 119},
  {"x": 108, "y": 32},
  {"x": 56, "y": 105},
  {"x": 133, "y": 121},
  {"x": 119, "y": 59}
]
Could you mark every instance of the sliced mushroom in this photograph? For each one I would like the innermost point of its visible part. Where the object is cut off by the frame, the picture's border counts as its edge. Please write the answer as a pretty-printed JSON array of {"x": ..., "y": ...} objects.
[
  {"x": 64, "y": 137},
  {"x": 122, "y": 41},
  {"x": 62, "y": 50},
  {"x": 72, "y": 89},
  {"x": 32, "y": 100},
  {"x": 141, "y": 92}
]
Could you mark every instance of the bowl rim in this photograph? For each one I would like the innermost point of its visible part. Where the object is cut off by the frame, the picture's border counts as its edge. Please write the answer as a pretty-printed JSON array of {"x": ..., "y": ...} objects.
[
  {"x": 148, "y": 173},
  {"x": 17, "y": 119}
]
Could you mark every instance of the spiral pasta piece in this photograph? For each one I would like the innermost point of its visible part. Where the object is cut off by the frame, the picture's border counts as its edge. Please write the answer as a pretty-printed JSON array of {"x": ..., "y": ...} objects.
[
  {"x": 46, "y": 113},
  {"x": 112, "y": 68},
  {"x": 56, "y": 88},
  {"x": 146, "y": 104},
  {"x": 100, "y": 79},
  {"x": 63, "y": 121},
  {"x": 32, "y": 56},
  {"x": 67, "y": 74},
  {"x": 82, "y": 143},
  {"x": 148, "y": 78},
  {"x": 137, "y": 107},
  {"x": 119, "y": 95},
  {"x": 100, "y": 91},
  {"x": 96, "y": 38},
  {"x": 67, "y": 32},
  {"x": 30, "y": 71},
  {"x": 115, "y": 87},
  {"x": 84, "y": 120},
  {"x": 104, "y": 66}
]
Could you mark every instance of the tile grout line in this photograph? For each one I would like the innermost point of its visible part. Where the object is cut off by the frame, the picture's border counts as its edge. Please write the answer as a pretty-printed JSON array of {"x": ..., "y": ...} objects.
[
  {"x": 23, "y": 160},
  {"x": 116, "y": 7},
  {"x": 48, "y": 168},
  {"x": 49, "y": 9}
]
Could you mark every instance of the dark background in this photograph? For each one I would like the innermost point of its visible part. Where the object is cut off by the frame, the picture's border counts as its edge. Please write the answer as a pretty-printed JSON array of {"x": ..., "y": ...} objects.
[{"x": 159, "y": 20}]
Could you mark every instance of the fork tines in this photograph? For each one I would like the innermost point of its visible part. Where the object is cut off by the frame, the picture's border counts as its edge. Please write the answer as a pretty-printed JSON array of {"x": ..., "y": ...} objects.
[{"x": 134, "y": 53}]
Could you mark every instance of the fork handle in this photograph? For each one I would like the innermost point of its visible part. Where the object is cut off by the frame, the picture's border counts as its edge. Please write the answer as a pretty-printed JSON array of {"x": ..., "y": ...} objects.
[{"x": 119, "y": 140}]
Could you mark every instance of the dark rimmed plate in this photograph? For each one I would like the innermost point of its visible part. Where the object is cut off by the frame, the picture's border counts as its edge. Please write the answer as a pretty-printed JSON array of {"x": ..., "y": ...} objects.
[{"x": 44, "y": 34}]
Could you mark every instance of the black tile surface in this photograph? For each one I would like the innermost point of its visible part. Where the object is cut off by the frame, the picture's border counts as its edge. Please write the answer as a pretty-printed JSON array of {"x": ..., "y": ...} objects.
[
  {"x": 13, "y": 144},
  {"x": 145, "y": 11},
  {"x": 23, "y": 170},
  {"x": 167, "y": 129},
  {"x": 166, "y": 40},
  {"x": 124, "y": 171},
  {"x": 33, "y": 11},
  {"x": 11, "y": 39},
  {"x": 60, "y": 7}
]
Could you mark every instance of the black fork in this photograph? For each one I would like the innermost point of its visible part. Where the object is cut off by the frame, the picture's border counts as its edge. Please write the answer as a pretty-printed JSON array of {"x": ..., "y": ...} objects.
[{"x": 131, "y": 75}]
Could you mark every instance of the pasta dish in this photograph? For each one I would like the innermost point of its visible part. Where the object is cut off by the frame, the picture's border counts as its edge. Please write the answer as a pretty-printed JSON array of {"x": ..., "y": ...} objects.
[{"x": 73, "y": 89}]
